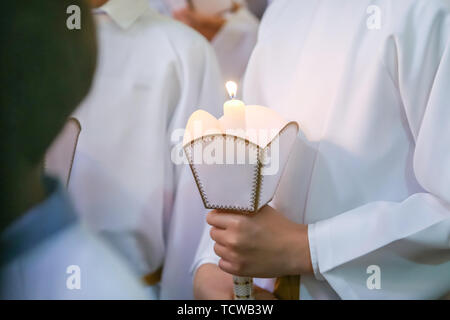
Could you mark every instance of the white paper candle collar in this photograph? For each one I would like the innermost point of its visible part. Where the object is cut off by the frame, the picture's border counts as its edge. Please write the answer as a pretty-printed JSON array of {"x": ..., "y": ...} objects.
[{"x": 244, "y": 132}]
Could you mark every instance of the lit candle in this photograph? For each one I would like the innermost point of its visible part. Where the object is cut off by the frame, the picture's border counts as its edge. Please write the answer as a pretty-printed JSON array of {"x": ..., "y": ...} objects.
[{"x": 234, "y": 109}]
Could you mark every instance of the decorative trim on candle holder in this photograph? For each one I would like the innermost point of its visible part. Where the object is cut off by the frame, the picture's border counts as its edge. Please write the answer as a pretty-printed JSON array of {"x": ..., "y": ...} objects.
[
  {"x": 243, "y": 288},
  {"x": 257, "y": 180},
  {"x": 252, "y": 207},
  {"x": 256, "y": 184},
  {"x": 195, "y": 174}
]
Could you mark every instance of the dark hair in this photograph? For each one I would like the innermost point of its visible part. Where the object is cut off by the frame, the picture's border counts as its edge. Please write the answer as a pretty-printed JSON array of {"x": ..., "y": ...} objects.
[{"x": 47, "y": 69}]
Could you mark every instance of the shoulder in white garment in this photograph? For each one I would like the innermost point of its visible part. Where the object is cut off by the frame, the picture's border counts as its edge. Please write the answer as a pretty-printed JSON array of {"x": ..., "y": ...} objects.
[{"x": 48, "y": 254}]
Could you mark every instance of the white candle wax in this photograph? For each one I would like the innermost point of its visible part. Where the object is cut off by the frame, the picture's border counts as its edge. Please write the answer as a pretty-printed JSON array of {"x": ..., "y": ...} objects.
[{"x": 234, "y": 112}]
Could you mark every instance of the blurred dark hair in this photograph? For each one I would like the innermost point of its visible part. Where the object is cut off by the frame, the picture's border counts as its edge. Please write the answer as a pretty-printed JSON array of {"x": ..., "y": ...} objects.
[{"x": 46, "y": 70}]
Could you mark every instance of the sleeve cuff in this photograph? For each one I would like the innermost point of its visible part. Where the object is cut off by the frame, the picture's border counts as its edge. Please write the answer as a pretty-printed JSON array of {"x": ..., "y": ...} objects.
[
  {"x": 201, "y": 262},
  {"x": 313, "y": 251}
]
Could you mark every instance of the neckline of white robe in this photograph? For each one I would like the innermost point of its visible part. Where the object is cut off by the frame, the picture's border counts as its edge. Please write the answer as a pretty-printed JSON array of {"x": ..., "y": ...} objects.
[{"x": 123, "y": 12}]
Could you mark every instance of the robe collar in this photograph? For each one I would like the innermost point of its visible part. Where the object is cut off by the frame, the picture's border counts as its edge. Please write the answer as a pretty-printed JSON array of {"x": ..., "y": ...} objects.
[{"x": 124, "y": 12}]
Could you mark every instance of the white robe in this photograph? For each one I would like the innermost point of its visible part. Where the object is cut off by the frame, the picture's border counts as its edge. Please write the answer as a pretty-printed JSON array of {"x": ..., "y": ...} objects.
[
  {"x": 152, "y": 74},
  {"x": 371, "y": 171},
  {"x": 234, "y": 42}
]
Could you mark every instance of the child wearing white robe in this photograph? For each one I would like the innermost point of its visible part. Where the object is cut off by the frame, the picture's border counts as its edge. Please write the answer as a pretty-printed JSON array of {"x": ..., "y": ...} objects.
[
  {"x": 128, "y": 178},
  {"x": 232, "y": 34},
  {"x": 368, "y": 82},
  {"x": 45, "y": 251}
]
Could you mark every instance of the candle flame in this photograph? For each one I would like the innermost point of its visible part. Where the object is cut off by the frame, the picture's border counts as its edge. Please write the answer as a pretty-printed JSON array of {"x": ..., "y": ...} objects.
[{"x": 231, "y": 88}]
